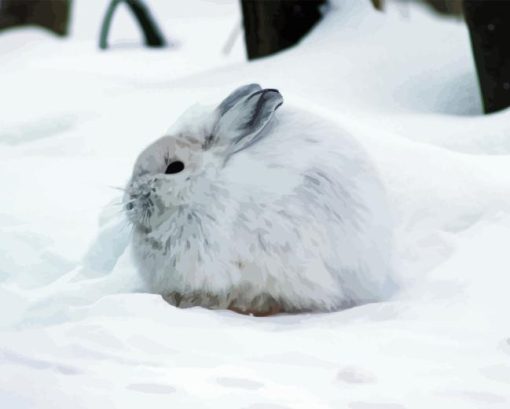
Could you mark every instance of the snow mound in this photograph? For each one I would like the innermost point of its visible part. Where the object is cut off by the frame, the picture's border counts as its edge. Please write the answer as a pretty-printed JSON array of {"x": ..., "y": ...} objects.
[{"x": 76, "y": 331}]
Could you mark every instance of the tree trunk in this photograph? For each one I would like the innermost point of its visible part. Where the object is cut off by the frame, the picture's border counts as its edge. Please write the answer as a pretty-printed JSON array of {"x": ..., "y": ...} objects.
[
  {"x": 274, "y": 25},
  {"x": 489, "y": 27},
  {"x": 451, "y": 7},
  {"x": 51, "y": 14}
]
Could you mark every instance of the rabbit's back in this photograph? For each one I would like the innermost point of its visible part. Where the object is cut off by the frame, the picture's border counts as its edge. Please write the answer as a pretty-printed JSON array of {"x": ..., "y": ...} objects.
[{"x": 313, "y": 216}]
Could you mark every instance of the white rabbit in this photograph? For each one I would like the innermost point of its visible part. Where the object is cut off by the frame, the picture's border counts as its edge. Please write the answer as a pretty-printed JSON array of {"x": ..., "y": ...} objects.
[{"x": 238, "y": 207}]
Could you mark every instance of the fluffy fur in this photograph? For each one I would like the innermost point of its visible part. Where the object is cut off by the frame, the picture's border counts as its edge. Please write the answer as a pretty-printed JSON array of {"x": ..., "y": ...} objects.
[{"x": 274, "y": 211}]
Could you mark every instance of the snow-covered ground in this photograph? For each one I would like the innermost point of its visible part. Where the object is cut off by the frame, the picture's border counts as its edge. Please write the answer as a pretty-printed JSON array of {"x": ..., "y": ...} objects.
[{"x": 75, "y": 333}]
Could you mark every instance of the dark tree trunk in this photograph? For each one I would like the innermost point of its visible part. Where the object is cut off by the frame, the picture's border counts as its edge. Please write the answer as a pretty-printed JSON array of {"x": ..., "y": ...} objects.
[
  {"x": 489, "y": 27},
  {"x": 449, "y": 7},
  {"x": 273, "y": 25},
  {"x": 51, "y": 14},
  {"x": 378, "y": 4},
  {"x": 452, "y": 7}
]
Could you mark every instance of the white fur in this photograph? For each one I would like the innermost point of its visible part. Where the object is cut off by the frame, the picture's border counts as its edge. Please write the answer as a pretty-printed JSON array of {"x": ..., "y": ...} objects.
[{"x": 297, "y": 219}]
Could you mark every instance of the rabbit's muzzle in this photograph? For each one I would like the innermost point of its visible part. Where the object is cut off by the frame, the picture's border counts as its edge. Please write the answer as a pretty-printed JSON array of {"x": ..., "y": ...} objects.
[{"x": 139, "y": 204}]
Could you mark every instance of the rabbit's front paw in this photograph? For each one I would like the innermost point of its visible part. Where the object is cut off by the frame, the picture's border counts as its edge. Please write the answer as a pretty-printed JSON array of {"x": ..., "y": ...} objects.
[{"x": 260, "y": 306}]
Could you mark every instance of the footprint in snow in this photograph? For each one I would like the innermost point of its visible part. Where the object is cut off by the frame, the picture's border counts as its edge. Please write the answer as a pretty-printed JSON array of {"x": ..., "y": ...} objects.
[
  {"x": 239, "y": 383},
  {"x": 373, "y": 405},
  {"x": 355, "y": 376},
  {"x": 154, "y": 388}
]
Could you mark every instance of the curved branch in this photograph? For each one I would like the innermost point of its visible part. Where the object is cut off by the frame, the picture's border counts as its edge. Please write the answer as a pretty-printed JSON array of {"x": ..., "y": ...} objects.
[{"x": 151, "y": 32}]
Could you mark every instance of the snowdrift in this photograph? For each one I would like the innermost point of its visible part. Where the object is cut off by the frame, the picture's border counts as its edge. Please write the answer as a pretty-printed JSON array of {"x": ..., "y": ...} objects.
[{"x": 76, "y": 331}]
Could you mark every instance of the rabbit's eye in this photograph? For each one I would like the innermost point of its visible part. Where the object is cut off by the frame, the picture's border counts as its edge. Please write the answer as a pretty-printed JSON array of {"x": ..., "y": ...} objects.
[{"x": 174, "y": 167}]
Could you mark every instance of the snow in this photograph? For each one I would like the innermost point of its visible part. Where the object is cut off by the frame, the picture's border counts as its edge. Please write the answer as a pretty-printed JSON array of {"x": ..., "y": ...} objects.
[{"x": 76, "y": 332}]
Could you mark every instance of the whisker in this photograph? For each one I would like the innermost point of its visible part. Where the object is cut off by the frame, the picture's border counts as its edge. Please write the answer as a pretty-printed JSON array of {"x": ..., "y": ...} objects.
[
  {"x": 117, "y": 201},
  {"x": 119, "y": 212},
  {"x": 120, "y": 203},
  {"x": 126, "y": 226},
  {"x": 122, "y": 189}
]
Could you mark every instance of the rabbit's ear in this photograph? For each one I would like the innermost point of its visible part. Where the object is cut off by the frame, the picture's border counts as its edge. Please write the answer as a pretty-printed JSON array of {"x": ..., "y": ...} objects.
[
  {"x": 236, "y": 96},
  {"x": 240, "y": 123}
]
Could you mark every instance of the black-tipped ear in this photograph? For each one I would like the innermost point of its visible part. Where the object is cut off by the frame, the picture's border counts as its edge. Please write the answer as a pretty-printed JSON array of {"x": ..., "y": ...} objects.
[
  {"x": 242, "y": 123},
  {"x": 236, "y": 96}
]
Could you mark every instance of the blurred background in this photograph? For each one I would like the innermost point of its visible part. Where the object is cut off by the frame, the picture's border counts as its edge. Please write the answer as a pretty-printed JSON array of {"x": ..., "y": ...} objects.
[{"x": 267, "y": 27}]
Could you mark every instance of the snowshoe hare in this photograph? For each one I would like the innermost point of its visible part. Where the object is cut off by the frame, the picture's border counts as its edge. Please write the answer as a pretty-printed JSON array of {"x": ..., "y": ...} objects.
[{"x": 259, "y": 211}]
